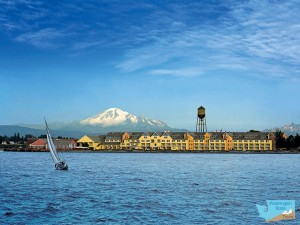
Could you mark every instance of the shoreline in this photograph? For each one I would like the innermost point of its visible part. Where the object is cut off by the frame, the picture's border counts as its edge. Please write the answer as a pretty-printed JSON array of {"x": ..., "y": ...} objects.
[{"x": 165, "y": 151}]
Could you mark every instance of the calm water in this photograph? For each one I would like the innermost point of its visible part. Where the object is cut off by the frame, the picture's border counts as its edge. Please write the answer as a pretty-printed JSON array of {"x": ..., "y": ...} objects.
[{"x": 144, "y": 188}]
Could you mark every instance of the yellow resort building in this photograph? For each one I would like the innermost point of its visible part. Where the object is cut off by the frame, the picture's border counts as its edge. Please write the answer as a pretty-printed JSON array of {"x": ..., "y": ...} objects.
[{"x": 180, "y": 141}]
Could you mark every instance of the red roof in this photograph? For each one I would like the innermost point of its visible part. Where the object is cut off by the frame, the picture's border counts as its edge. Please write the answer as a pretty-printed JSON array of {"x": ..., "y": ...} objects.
[
  {"x": 31, "y": 140},
  {"x": 39, "y": 142}
]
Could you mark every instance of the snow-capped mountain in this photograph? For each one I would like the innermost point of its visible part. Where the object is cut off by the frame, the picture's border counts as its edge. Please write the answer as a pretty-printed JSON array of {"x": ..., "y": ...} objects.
[
  {"x": 110, "y": 117},
  {"x": 116, "y": 117},
  {"x": 110, "y": 120},
  {"x": 294, "y": 128},
  {"x": 289, "y": 129}
]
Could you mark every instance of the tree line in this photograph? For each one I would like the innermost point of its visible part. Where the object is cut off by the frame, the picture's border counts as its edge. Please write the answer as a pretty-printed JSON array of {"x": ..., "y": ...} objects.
[
  {"x": 291, "y": 142},
  {"x": 16, "y": 138}
]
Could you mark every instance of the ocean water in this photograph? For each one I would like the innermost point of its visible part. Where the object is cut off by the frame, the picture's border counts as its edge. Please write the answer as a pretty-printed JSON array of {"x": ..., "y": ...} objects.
[{"x": 147, "y": 188}]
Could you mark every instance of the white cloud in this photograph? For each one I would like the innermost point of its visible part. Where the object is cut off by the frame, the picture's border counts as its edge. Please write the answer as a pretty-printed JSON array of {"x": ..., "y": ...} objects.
[
  {"x": 255, "y": 36},
  {"x": 258, "y": 37},
  {"x": 86, "y": 44},
  {"x": 182, "y": 72},
  {"x": 44, "y": 38}
]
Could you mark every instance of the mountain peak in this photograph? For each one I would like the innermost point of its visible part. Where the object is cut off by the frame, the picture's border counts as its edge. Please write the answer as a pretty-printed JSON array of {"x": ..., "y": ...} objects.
[
  {"x": 113, "y": 109},
  {"x": 291, "y": 128},
  {"x": 122, "y": 120},
  {"x": 110, "y": 117}
]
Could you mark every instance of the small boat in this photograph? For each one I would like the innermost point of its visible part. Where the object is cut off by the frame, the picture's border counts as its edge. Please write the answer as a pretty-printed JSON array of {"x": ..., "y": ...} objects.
[{"x": 59, "y": 164}]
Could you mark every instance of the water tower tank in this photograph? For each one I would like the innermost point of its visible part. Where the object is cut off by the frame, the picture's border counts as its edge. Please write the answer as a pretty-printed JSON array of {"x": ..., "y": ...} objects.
[{"x": 201, "y": 112}]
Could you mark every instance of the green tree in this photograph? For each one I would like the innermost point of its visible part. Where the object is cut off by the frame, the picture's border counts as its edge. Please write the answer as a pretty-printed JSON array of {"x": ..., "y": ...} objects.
[
  {"x": 297, "y": 141},
  {"x": 29, "y": 136},
  {"x": 42, "y": 136},
  {"x": 13, "y": 138},
  {"x": 280, "y": 140},
  {"x": 5, "y": 138},
  {"x": 18, "y": 137},
  {"x": 290, "y": 142}
]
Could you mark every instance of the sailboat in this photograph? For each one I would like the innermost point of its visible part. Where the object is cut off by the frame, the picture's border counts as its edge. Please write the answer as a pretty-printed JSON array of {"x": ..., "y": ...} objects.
[{"x": 59, "y": 164}]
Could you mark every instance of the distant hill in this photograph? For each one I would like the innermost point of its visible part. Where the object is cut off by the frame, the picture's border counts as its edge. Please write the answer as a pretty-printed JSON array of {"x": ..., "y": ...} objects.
[
  {"x": 110, "y": 120},
  {"x": 10, "y": 130},
  {"x": 289, "y": 129}
]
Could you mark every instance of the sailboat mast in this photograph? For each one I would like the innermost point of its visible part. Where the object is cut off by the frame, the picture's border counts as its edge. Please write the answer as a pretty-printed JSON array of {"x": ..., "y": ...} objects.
[{"x": 51, "y": 145}]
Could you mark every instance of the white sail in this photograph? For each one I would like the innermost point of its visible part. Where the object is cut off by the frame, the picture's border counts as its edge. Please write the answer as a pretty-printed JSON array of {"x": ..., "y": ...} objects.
[
  {"x": 51, "y": 146},
  {"x": 59, "y": 164}
]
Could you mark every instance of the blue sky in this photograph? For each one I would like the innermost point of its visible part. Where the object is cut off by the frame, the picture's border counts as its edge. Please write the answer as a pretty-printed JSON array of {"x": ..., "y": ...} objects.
[{"x": 162, "y": 59}]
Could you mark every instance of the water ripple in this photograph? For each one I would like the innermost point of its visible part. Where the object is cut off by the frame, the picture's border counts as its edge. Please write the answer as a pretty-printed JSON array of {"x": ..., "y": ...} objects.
[{"x": 144, "y": 188}]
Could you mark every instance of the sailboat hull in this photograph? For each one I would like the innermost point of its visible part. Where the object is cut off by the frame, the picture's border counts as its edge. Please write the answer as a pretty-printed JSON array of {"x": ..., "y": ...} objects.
[{"x": 61, "y": 166}]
